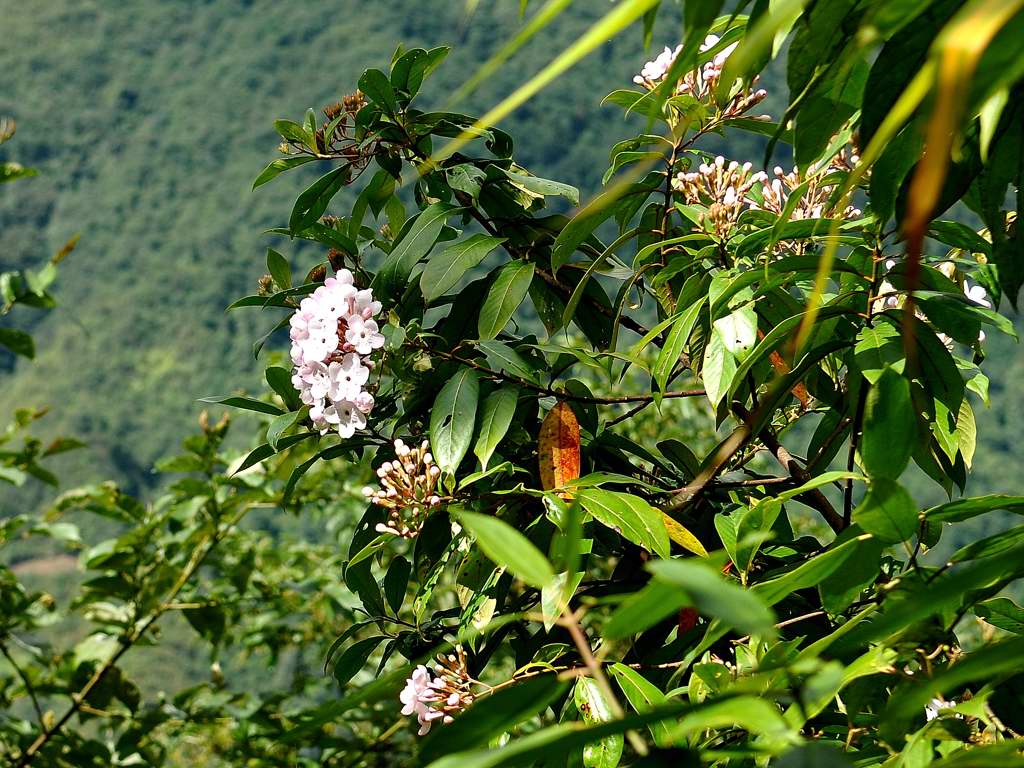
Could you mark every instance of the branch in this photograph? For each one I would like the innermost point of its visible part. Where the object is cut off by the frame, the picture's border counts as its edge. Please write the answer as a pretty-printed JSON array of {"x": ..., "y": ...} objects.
[
  {"x": 78, "y": 699},
  {"x": 551, "y": 391},
  {"x": 25, "y": 681},
  {"x": 734, "y": 443}
]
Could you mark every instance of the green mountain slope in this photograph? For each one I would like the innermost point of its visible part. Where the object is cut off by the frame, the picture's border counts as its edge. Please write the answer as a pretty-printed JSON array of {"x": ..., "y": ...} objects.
[{"x": 148, "y": 123}]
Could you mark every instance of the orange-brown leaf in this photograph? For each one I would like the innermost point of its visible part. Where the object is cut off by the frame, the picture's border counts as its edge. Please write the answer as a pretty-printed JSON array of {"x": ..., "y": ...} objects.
[{"x": 559, "y": 448}]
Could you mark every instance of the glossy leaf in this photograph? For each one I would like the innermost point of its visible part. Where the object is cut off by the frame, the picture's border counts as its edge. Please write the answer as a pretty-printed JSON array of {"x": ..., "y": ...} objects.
[
  {"x": 508, "y": 548},
  {"x": 453, "y": 417}
]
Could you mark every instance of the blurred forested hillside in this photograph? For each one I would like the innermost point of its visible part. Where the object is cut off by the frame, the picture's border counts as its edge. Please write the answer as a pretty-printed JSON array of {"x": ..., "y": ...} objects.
[{"x": 148, "y": 122}]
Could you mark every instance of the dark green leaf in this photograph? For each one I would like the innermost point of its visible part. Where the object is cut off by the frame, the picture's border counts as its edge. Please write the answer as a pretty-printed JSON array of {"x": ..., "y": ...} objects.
[
  {"x": 313, "y": 202},
  {"x": 506, "y": 293},
  {"x": 353, "y": 659},
  {"x": 452, "y": 419},
  {"x": 890, "y": 429},
  {"x": 495, "y": 417},
  {"x": 446, "y": 268}
]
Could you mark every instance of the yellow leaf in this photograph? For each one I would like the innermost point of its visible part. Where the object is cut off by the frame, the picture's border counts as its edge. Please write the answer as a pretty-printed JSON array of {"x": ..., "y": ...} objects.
[{"x": 681, "y": 536}]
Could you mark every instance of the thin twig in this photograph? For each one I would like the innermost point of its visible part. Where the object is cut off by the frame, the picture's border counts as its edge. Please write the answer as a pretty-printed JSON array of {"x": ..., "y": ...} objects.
[
  {"x": 561, "y": 394},
  {"x": 25, "y": 681},
  {"x": 78, "y": 699}
]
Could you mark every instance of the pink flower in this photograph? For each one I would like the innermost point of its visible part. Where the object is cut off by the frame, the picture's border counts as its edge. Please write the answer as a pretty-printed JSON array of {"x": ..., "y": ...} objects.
[{"x": 363, "y": 335}]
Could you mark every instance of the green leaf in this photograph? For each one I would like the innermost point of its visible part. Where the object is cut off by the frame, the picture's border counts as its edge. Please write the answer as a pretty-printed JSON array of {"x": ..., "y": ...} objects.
[
  {"x": 503, "y": 359},
  {"x": 354, "y": 659},
  {"x": 747, "y": 712},
  {"x": 544, "y": 187},
  {"x": 887, "y": 512},
  {"x": 738, "y": 330},
  {"x": 452, "y": 419},
  {"x": 1003, "y": 613},
  {"x": 506, "y": 293},
  {"x": 807, "y": 574},
  {"x": 446, "y": 268},
  {"x": 492, "y": 716},
  {"x": 630, "y": 516},
  {"x": 990, "y": 545},
  {"x": 289, "y": 130},
  {"x": 396, "y": 582},
  {"x": 890, "y": 429},
  {"x": 644, "y": 609},
  {"x": 313, "y": 202},
  {"x": 964, "y": 509},
  {"x": 279, "y": 166},
  {"x": 282, "y": 424},
  {"x": 959, "y": 236},
  {"x": 643, "y": 696},
  {"x": 280, "y": 380},
  {"x": 19, "y": 342},
  {"x": 508, "y": 548},
  {"x": 414, "y": 245},
  {"x": 279, "y": 269},
  {"x": 682, "y": 328},
  {"x": 980, "y": 665},
  {"x": 712, "y": 595},
  {"x": 594, "y": 708},
  {"x": 495, "y": 418},
  {"x": 879, "y": 348},
  {"x": 245, "y": 403},
  {"x": 718, "y": 369},
  {"x": 377, "y": 87}
]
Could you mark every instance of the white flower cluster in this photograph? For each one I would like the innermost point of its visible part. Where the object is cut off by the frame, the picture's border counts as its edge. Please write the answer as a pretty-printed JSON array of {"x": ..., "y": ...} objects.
[
  {"x": 438, "y": 697},
  {"x": 333, "y": 333},
  {"x": 408, "y": 489},
  {"x": 889, "y": 297},
  {"x": 723, "y": 187},
  {"x": 702, "y": 81}
]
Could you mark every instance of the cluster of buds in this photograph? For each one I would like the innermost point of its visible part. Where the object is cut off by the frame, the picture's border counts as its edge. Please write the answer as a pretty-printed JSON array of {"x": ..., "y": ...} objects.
[
  {"x": 438, "y": 694},
  {"x": 846, "y": 159},
  {"x": 814, "y": 201},
  {"x": 723, "y": 188},
  {"x": 408, "y": 490},
  {"x": 700, "y": 83},
  {"x": 337, "y": 137}
]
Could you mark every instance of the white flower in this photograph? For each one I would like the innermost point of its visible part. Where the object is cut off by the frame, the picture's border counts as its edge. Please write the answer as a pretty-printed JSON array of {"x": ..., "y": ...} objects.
[
  {"x": 936, "y": 706},
  {"x": 321, "y": 341},
  {"x": 345, "y": 416},
  {"x": 364, "y": 305},
  {"x": 653, "y": 71},
  {"x": 363, "y": 335},
  {"x": 364, "y": 401},
  {"x": 977, "y": 294},
  {"x": 333, "y": 299},
  {"x": 345, "y": 380}
]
